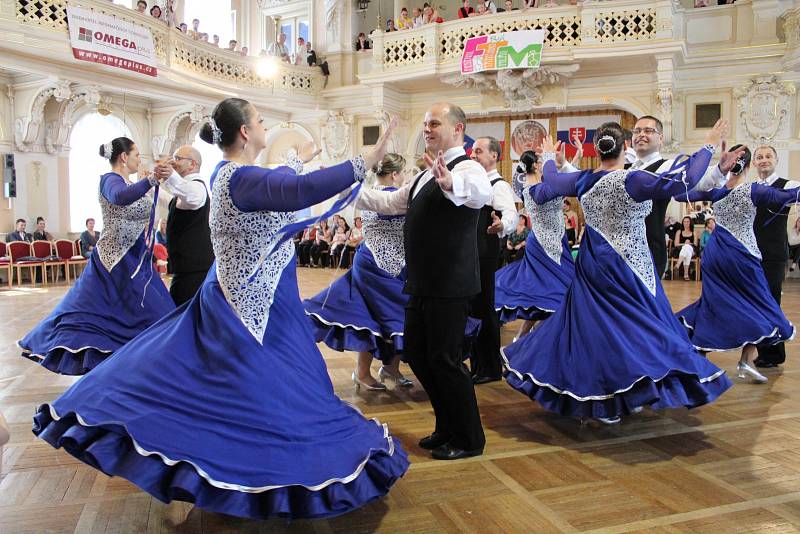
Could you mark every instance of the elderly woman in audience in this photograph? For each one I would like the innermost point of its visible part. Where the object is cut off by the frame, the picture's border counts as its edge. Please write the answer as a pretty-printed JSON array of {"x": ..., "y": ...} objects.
[
  {"x": 515, "y": 244},
  {"x": 341, "y": 236},
  {"x": 322, "y": 242},
  {"x": 711, "y": 224},
  {"x": 89, "y": 238},
  {"x": 684, "y": 245}
]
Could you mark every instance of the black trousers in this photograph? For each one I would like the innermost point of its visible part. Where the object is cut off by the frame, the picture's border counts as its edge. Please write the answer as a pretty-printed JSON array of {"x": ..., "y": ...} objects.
[
  {"x": 433, "y": 338},
  {"x": 774, "y": 271},
  {"x": 485, "y": 358},
  {"x": 304, "y": 252},
  {"x": 184, "y": 286}
]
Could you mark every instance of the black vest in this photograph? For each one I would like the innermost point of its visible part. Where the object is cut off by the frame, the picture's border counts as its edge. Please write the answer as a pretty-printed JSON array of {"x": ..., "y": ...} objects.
[
  {"x": 441, "y": 249},
  {"x": 189, "y": 237},
  {"x": 654, "y": 224},
  {"x": 772, "y": 238},
  {"x": 488, "y": 244}
]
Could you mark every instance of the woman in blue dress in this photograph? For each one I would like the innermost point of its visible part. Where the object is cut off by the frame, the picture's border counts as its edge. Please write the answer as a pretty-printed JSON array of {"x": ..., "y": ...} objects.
[
  {"x": 614, "y": 345},
  {"x": 226, "y": 402},
  {"x": 364, "y": 310},
  {"x": 532, "y": 289},
  {"x": 736, "y": 309},
  {"x": 119, "y": 294}
]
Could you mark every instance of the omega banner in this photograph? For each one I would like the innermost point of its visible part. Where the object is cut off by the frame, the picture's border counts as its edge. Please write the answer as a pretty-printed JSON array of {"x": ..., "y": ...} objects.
[
  {"x": 105, "y": 39},
  {"x": 508, "y": 50}
]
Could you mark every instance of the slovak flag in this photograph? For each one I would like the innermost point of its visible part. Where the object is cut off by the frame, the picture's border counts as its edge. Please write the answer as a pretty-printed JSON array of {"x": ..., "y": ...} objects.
[{"x": 584, "y": 127}]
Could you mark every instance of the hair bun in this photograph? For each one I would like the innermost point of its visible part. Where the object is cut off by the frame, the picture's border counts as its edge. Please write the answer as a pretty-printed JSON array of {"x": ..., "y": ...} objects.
[{"x": 606, "y": 144}]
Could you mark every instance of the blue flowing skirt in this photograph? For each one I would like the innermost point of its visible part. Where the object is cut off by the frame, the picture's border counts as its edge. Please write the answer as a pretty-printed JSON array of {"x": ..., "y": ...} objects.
[
  {"x": 532, "y": 287},
  {"x": 100, "y": 313},
  {"x": 611, "y": 346},
  {"x": 196, "y": 409},
  {"x": 362, "y": 311},
  {"x": 736, "y": 307}
]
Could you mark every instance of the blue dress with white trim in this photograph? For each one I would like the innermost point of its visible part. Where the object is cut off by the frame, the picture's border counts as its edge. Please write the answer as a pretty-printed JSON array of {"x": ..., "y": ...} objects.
[
  {"x": 736, "y": 307},
  {"x": 533, "y": 287},
  {"x": 117, "y": 296},
  {"x": 227, "y": 402},
  {"x": 614, "y": 344}
]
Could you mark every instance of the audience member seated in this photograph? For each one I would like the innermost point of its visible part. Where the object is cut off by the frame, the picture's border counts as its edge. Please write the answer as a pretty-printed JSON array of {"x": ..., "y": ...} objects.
[
  {"x": 279, "y": 49},
  {"x": 161, "y": 234},
  {"x": 322, "y": 241},
  {"x": 362, "y": 43},
  {"x": 304, "y": 246},
  {"x": 711, "y": 224},
  {"x": 794, "y": 244},
  {"x": 390, "y": 27},
  {"x": 515, "y": 244},
  {"x": 509, "y": 5},
  {"x": 89, "y": 238},
  {"x": 465, "y": 10},
  {"x": 19, "y": 234},
  {"x": 490, "y": 6},
  {"x": 339, "y": 243},
  {"x": 356, "y": 237},
  {"x": 418, "y": 20},
  {"x": 684, "y": 246},
  {"x": 141, "y": 7},
  {"x": 41, "y": 234},
  {"x": 570, "y": 222}
]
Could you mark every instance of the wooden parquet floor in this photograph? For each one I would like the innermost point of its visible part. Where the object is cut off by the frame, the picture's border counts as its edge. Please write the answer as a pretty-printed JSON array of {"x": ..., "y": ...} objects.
[{"x": 733, "y": 466}]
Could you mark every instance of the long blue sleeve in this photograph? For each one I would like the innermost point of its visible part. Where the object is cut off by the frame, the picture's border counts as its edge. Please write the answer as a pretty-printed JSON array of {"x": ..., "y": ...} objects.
[
  {"x": 543, "y": 193},
  {"x": 281, "y": 189},
  {"x": 116, "y": 191},
  {"x": 701, "y": 196},
  {"x": 764, "y": 195},
  {"x": 560, "y": 184},
  {"x": 643, "y": 185}
]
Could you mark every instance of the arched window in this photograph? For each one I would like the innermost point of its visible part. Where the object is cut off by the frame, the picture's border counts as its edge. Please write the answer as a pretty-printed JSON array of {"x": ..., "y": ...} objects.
[
  {"x": 86, "y": 166},
  {"x": 211, "y": 155},
  {"x": 216, "y": 17}
]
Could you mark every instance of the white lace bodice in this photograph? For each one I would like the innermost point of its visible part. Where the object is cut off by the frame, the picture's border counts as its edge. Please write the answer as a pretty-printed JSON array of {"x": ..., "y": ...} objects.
[
  {"x": 240, "y": 240},
  {"x": 122, "y": 226},
  {"x": 737, "y": 213},
  {"x": 547, "y": 223},
  {"x": 384, "y": 238},
  {"x": 616, "y": 216}
]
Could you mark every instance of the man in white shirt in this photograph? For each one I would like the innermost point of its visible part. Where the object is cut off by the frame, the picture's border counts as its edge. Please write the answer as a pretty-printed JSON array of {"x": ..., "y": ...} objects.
[
  {"x": 442, "y": 207},
  {"x": 773, "y": 243},
  {"x": 279, "y": 48},
  {"x": 490, "y": 6},
  {"x": 485, "y": 358},
  {"x": 188, "y": 233}
]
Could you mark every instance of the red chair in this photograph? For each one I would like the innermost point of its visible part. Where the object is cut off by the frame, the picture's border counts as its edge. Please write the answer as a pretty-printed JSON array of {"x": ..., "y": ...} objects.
[
  {"x": 65, "y": 250},
  {"x": 5, "y": 263},
  {"x": 44, "y": 251},
  {"x": 18, "y": 250},
  {"x": 162, "y": 256}
]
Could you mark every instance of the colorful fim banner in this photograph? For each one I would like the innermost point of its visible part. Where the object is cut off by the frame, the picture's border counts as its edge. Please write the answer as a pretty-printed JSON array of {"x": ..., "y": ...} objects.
[
  {"x": 111, "y": 41},
  {"x": 508, "y": 50}
]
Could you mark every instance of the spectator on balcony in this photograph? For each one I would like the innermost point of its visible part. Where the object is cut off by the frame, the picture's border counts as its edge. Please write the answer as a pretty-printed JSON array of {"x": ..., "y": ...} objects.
[
  {"x": 215, "y": 40},
  {"x": 195, "y": 31},
  {"x": 311, "y": 56},
  {"x": 41, "y": 234},
  {"x": 480, "y": 10},
  {"x": 404, "y": 22},
  {"x": 362, "y": 43},
  {"x": 530, "y": 3},
  {"x": 279, "y": 48},
  {"x": 156, "y": 13},
  {"x": 509, "y": 5},
  {"x": 203, "y": 37},
  {"x": 418, "y": 19},
  {"x": 19, "y": 234},
  {"x": 490, "y": 6},
  {"x": 390, "y": 27},
  {"x": 465, "y": 10},
  {"x": 299, "y": 57},
  {"x": 232, "y": 45},
  {"x": 89, "y": 238},
  {"x": 245, "y": 51},
  {"x": 183, "y": 28},
  {"x": 141, "y": 7}
]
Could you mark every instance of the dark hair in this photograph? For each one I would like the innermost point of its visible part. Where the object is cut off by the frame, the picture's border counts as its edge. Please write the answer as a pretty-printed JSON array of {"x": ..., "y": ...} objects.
[
  {"x": 39, "y": 219},
  {"x": 230, "y": 115},
  {"x": 690, "y": 222},
  {"x": 712, "y": 219},
  {"x": 743, "y": 161},
  {"x": 527, "y": 220},
  {"x": 20, "y": 220},
  {"x": 154, "y": 8},
  {"x": 628, "y": 135},
  {"x": 659, "y": 125},
  {"x": 90, "y": 218},
  {"x": 141, "y": 2},
  {"x": 120, "y": 145},
  {"x": 609, "y": 139},
  {"x": 494, "y": 146},
  {"x": 528, "y": 161}
]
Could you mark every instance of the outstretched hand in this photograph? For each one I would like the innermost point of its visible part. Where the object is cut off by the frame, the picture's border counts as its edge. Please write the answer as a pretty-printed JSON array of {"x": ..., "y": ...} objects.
[
  {"x": 497, "y": 225},
  {"x": 308, "y": 151},
  {"x": 381, "y": 147},
  {"x": 440, "y": 171},
  {"x": 728, "y": 159},
  {"x": 549, "y": 146},
  {"x": 719, "y": 132}
]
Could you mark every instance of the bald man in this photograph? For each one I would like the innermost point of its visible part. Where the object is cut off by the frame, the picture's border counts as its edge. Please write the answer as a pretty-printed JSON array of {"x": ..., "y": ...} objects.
[{"x": 188, "y": 233}]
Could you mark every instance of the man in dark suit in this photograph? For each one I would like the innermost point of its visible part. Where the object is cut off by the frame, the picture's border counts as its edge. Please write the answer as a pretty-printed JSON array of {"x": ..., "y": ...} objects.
[
  {"x": 19, "y": 234},
  {"x": 773, "y": 242},
  {"x": 442, "y": 206}
]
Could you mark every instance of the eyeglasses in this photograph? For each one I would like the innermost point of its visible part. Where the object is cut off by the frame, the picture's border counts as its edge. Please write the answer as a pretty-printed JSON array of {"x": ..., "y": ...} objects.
[{"x": 648, "y": 131}]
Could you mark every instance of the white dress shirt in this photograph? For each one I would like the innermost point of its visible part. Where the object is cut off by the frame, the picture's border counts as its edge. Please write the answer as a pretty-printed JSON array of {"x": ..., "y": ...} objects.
[
  {"x": 471, "y": 188},
  {"x": 769, "y": 180},
  {"x": 503, "y": 201},
  {"x": 191, "y": 195}
]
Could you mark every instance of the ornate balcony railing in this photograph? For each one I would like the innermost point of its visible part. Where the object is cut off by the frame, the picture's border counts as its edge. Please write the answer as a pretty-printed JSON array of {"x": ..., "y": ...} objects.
[
  {"x": 566, "y": 28},
  {"x": 175, "y": 50}
]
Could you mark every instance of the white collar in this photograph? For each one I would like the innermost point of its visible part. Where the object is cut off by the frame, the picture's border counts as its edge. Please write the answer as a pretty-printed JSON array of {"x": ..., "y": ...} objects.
[
  {"x": 493, "y": 174},
  {"x": 650, "y": 158},
  {"x": 769, "y": 180},
  {"x": 452, "y": 153}
]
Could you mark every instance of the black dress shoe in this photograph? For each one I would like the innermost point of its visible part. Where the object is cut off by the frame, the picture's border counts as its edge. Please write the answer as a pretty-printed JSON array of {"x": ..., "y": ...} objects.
[
  {"x": 433, "y": 441},
  {"x": 484, "y": 379},
  {"x": 764, "y": 364},
  {"x": 449, "y": 452}
]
